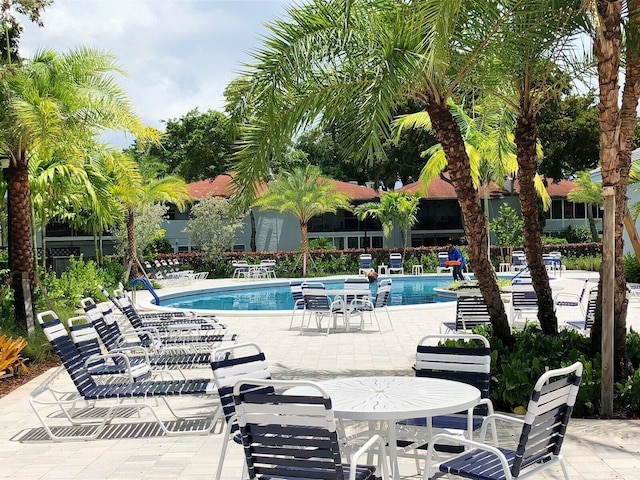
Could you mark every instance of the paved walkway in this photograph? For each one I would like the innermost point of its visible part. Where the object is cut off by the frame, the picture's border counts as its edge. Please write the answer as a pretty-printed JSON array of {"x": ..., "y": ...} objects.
[{"x": 594, "y": 449}]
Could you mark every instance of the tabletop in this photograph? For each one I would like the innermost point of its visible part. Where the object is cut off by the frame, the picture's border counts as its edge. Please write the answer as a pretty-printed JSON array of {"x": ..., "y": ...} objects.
[{"x": 395, "y": 398}]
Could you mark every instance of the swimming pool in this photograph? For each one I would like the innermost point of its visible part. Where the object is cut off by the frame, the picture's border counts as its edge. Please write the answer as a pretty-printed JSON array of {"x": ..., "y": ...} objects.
[{"x": 405, "y": 290}]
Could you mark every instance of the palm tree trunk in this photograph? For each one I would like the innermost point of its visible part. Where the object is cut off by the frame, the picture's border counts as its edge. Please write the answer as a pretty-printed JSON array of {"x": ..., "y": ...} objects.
[
  {"x": 592, "y": 223},
  {"x": 616, "y": 133},
  {"x": 448, "y": 133},
  {"x": 526, "y": 141},
  {"x": 252, "y": 218},
  {"x": 305, "y": 247},
  {"x": 132, "y": 264},
  {"x": 20, "y": 246}
]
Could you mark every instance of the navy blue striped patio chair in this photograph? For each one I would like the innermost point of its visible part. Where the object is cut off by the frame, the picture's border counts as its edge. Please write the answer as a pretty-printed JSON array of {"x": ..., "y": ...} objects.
[
  {"x": 232, "y": 364},
  {"x": 589, "y": 314},
  {"x": 318, "y": 303},
  {"x": 121, "y": 397},
  {"x": 524, "y": 302},
  {"x": 380, "y": 302},
  {"x": 445, "y": 357},
  {"x": 570, "y": 299},
  {"x": 295, "y": 437},
  {"x": 543, "y": 431},
  {"x": 471, "y": 312},
  {"x": 295, "y": 286},
  {"x": 395, "y": 263}
]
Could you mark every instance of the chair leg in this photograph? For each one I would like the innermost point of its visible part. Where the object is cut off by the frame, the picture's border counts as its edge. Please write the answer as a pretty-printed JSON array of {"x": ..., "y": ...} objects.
[
  {"x": 225, "y": 441},
  {"x": 563, "y": 465}
]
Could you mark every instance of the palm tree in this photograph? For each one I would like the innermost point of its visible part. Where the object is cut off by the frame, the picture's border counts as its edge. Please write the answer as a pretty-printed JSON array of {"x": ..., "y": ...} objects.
[
  {"x": 53, "y": 102},
  {"x": 347, "y": 66},
  {"x": 586, "y": 191},
  {"x": 139, "y": 185},
  {"x": 617, "y": 124},
  {"x": 393, "y": 208},
  {"x": 303, "y": 194}
]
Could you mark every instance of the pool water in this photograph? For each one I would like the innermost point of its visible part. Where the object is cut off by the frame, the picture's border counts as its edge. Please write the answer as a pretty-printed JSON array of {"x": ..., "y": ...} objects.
[{"x": 405, "y": 290}]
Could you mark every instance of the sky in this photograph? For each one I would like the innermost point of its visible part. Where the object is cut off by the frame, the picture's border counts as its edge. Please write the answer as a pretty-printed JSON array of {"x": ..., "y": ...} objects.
[{"x": 178, "y": 54}]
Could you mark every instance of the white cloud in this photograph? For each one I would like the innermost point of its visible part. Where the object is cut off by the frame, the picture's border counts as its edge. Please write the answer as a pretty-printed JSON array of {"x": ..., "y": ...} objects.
[{"x": 178, "y": 54}]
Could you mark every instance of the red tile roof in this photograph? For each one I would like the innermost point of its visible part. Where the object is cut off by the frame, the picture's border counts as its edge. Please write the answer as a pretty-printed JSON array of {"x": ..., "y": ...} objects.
[
  {"x": 222, "y": 186},
  {"x": 440, "y": 189}
]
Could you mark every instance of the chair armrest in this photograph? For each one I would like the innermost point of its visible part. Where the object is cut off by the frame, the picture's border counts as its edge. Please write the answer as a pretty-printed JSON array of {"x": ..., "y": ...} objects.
[
  {"x": 463, "y": 441},
  {"x": 498, "y": 416},
  {"x": 382, "y": 456},
  {"x": 568, "y": 295}
]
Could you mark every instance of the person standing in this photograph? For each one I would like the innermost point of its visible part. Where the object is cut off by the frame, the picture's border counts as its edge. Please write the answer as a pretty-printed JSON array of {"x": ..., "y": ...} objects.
[{"x": 455, "y": 255}]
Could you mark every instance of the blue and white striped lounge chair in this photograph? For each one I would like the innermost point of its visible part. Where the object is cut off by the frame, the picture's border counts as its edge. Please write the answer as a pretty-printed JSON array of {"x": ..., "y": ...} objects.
[
  {"x": 293, "y": 436},
  {"x": 365, "y": 263},
  {"x": 442, "y": 266},
  {"x": 124, "y": 396},
  {"x": 395, "y": 263},
  {"x": 86, "y": 337},
  {"x": 150, "y": 338},
  {"x": 233, "y": 364},
  {"x": 543, "y": 430}
]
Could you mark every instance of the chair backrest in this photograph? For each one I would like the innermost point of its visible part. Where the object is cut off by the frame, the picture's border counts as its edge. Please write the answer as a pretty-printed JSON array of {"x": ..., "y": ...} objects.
[
  {"x": 383, "y": 294},
  {"x": 548, "y": 414},
  {"x": 85, "y": 337},
  {"x": 357, "y": 284},
  {"x": 71, "y": 357},
  {"x": 470, "y": 363},
  {"x": 285, "y": 435},
  {"x": 471, "y": 311},
  {"x": 232, "y": 364},
  {"x": 316, "y": 299},
  {"x": 519, "y": 259},
  {"x": 365, "y": 260},
  {"x": 442, "y": 258},
  {"x": 295, "y": 286},
  {"x": 395, "y": 260},
  {"x": 590, "y": 313},
  {"x": 524, "y": 298}
]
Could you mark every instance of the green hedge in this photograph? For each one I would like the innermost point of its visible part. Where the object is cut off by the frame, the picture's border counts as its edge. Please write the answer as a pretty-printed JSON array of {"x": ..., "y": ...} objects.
[{"x": 337, "y": 262}]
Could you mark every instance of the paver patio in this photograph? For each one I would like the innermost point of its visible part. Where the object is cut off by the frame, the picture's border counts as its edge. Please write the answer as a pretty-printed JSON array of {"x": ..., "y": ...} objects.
[{"x": 594, "y": 449}]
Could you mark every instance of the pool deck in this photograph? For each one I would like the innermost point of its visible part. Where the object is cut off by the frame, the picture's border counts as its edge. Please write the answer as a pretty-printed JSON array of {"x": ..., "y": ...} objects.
[{"x": 594, "y": 449}]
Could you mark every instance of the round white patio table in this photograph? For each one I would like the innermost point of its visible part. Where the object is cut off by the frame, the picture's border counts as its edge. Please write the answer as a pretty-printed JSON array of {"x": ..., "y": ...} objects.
[{"x": 390, "y": 399}]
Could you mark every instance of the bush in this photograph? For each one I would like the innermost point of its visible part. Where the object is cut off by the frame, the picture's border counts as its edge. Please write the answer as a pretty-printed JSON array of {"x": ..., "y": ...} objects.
[
  {"x": 577, "y": 234},
  {"x": 79, "y": 281},
  {"x": 590, "y": 263},
  {"x": 631, "y": 268}
]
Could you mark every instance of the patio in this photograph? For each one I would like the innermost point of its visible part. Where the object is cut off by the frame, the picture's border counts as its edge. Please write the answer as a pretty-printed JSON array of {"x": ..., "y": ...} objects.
[{"x": 594, "y": 449}]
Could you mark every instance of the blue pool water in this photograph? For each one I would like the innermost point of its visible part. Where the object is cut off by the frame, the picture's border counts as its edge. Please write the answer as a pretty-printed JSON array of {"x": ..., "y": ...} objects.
[{"x": 405, "y": 290}]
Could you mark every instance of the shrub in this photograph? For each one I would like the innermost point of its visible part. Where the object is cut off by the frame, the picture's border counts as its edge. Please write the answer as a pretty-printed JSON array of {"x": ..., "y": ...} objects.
[
  {"x": 588, "y": 262},
  {"x": 631, "y": 268}
]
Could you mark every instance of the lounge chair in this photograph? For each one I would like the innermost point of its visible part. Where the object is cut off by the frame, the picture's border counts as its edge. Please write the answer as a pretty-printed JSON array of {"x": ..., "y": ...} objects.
[
  {"x": 471, "y": 311},
  {"x": 151, "y": 337},
  {"x": 295, "y": 436},
  {"x": 395, "y": 263},
  {"x": 126, "y": 397},
  {"x": 543, "y": 431},
  {"x": 233, "y": 364},
  {"x": 87, "y": 338},
  {"x": 442, "y": 267},
  {"x": 440, "y": 356},
  {"x": 365, "y": 263}
]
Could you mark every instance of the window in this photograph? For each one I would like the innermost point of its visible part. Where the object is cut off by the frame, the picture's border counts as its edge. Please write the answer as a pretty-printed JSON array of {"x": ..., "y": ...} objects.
[
  {"x": 568, "y": 209},
  {"x": 580, "y": 210},
  {"x": 556, "y": 209},
  {"x": 352, "y": 242}
]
